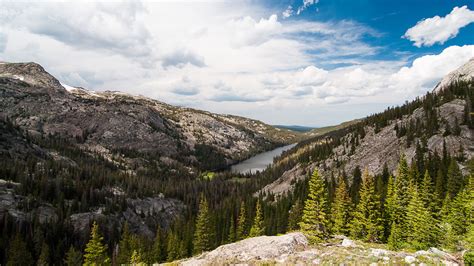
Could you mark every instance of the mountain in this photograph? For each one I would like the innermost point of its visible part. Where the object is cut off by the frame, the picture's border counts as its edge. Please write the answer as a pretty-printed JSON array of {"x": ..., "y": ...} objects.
[
  {"x": 464, "y": 73},
  {"x": 438, "y": 122},
  {"x": 72, "y": 157},
  {"x": 126, "y": 129},
  {"x": 295, "y": 128},
  {"x": 323, "y": 130}
]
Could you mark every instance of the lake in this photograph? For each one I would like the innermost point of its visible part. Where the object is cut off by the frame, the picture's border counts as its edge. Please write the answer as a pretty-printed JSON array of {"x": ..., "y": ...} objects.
[{"x": 260, "y": 161}]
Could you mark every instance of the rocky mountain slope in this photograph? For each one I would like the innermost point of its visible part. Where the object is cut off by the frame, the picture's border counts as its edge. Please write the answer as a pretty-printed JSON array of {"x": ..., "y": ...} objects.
[
  {"x": 108, "y": 156},
  {"x": 293, "y": 249},
  {"x": 464, "y": 73},
  {"x": 364, "y": 143},
  {"x": 119, "y": 126}
]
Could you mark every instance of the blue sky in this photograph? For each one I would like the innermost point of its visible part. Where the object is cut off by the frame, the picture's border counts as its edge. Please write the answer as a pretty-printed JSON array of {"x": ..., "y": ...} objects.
[{"x": 318, "y": 63}]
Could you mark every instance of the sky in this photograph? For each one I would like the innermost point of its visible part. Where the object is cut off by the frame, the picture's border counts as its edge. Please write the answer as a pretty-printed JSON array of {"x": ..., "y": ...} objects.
[{"x": 297, "y": 62}]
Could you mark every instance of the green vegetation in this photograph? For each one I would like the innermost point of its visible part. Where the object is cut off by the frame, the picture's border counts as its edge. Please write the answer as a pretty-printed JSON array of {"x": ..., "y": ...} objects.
[
  {"x": 314, "y": 222},
  {"x": 429, "y": 192},
  {"x": 96, "y": 251},
  {"x": 204, "y": 234},
  {"x": 257, "y": 228}
]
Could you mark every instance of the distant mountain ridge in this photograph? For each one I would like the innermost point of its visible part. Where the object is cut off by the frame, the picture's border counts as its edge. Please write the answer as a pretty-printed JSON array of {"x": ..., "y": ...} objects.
[
  {"x": 295, "y": 128},
  {"x": 115, "y": 123}
]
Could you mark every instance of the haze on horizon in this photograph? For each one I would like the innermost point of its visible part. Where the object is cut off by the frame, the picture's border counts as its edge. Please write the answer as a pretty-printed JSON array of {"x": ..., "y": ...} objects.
[{"x": 298, "y": 62}]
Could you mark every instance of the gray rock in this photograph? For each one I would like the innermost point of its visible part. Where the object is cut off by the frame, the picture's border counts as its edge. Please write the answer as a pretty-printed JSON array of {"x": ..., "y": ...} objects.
[
  {"x": 410, "y": 259},
  {"x": 252, "y": 249},
  {"x": 377, "y": 252},
  {"x": 348, "y": 243},
  {"x": 441, "y": 253},
  {"x": 109, "y": 122}
]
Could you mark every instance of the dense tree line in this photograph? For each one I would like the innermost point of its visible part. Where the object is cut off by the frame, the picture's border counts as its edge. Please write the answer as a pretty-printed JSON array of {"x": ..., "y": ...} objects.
[{"x": 426, "y": 203}]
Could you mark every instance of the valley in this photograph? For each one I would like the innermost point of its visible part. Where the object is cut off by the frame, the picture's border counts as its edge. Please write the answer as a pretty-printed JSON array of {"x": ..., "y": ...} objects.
[{"x": 148, "y": 175}]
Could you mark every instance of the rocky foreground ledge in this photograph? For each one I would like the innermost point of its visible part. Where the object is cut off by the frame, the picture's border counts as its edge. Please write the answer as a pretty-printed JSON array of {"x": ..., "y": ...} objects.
[{"x": 293, "y": 249}]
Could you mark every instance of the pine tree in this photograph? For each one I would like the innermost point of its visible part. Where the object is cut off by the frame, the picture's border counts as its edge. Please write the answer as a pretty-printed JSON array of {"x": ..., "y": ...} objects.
[
  {"x": 356, "y": 182},
  {"x": 455, "y": 179},
  {"x": 440, "y": 185},
  {"x": 125, "y": 246},
  {"x": 427, "y": 193},
  {"x": 402, "y": 183},
  {"x": 401, "y": 197},
  {"x": 232, "y": 237},
  {"x": 172, "y": 246},
  {"x": 294, "y": 216},
  {"x": 459, "y": 214},
  {"x": 419, "y": 222},
  {"x": 157, "y": 248},
  {"x": 96, "y": 251},
  {"x": 18, "y": 253},
  {"x": 136, "y": 258},
  {"x": 183, "y": 248},
  {"x": 204, "y": 234},
  {"x": 448, "y": 238},
  {"x": 314, "y": 222},
  {"x": 73, "y": 257},
  {"x": 390, "y": 208},
  {"x": 367, "y": 222},
  {"x": 242, "y": 223},
  {"x": 395, "y": 240},
  {"x": 342, "y": 209},
  {"x": 44, "y": 255},
  {"x": 257, "y": 228}
]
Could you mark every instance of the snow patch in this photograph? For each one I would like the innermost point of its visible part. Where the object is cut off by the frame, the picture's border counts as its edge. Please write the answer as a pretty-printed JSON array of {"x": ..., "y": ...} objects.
[
  {"x": 19, "y": 77},
  {"x": 68, "y": 88}
]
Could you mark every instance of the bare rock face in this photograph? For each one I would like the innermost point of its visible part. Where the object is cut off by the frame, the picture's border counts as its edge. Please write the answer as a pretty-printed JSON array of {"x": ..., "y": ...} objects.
[
  {"x": 117, "y": 126},
  {"x": 11, "y": 206},
  {"x": 464, "y": 73},
  {"x": 252, "y": 249},
  {"x": 143, "y": 216},
  {"x": 31, "y": 73},
  {"x": 384, "y": 147}
]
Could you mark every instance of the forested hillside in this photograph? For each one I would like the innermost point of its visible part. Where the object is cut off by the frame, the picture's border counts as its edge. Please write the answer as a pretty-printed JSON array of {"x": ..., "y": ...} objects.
[{"x": 62, "y": 201}]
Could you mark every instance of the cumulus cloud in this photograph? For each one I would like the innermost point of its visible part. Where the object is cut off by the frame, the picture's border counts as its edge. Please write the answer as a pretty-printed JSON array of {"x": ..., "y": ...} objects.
[
  {"x": 288, "y": 12},
  {"x": 184, "y": 87},
  {"x": 438, "y": 29},
  {"x": 256, "y": 65},
  {"x": 110, "y": 26},
  {"x": 3, "y": 41},
  {"x": 247, "y": 31},
  {"x": 224, "y": 93},
  {"x": 426, "y": 71},
  {"x": 181, "y": 58}
]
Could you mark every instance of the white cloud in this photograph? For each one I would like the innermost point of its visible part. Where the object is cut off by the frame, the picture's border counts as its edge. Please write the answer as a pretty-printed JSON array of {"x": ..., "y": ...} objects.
[
  {"x": 306, "y": 4},
  {"x": 426, "y": 71},
  {"x": 115, "y": 27},
  {"x": 3, "y": 41},
  {"x": 438, "y": 29},
  {"x": 288, "y": 12},
  {"x": 180, "y": 58},
  {"x": 247, "y": 31},
  {"x": 218, "y": 60}
]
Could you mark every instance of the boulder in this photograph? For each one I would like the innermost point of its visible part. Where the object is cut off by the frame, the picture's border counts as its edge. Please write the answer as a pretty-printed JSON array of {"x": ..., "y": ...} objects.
[
  {"x": 348, "y": 243},
  {"x": 252, "y": 249},
  {"x": 377, "y": 252},
  {"x": 410, "y": 259}
]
